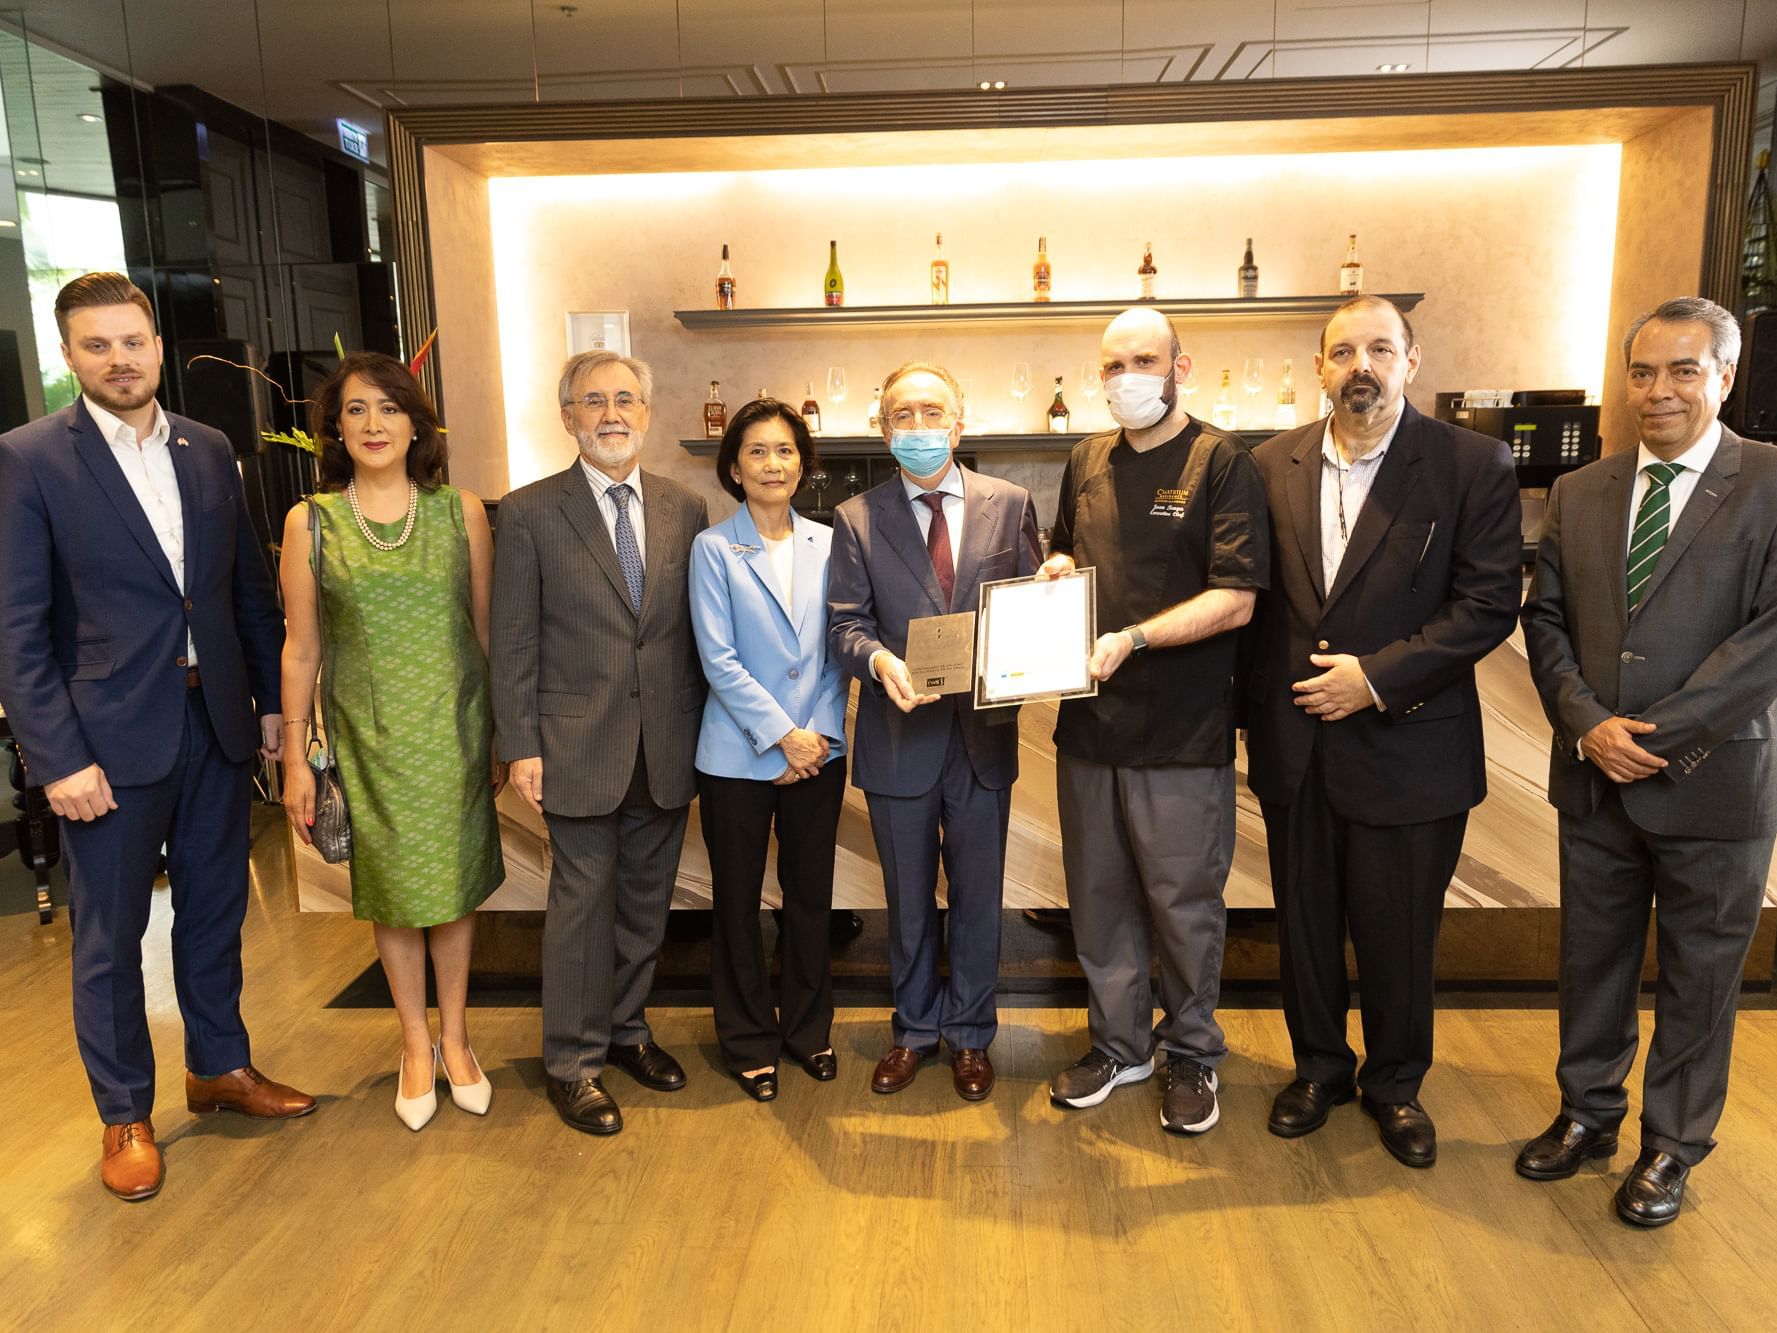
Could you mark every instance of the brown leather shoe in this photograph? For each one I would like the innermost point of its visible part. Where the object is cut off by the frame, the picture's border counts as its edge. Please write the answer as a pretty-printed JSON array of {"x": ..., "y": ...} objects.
[
  {"x": 972, "y": 1072},
  {"x": 130, "y": 1166},
  {"x": 245, "y": 1091},
  {"x": 896, "y": 1069}
]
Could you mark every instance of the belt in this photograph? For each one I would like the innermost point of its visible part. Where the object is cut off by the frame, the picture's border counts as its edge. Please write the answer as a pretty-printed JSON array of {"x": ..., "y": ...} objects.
[{"x": 192, "y": 679}]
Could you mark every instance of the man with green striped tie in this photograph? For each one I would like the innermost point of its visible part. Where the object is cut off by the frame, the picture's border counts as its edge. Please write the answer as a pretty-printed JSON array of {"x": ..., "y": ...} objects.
[{"x": 1651, "y": 627}]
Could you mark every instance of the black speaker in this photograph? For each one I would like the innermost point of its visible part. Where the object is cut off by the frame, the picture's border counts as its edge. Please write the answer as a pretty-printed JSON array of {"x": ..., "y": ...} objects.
[
  {"x": 236, "y": 402},
  {"x": 14, "y": 411},
  {"x": 1751, "y": 410}
]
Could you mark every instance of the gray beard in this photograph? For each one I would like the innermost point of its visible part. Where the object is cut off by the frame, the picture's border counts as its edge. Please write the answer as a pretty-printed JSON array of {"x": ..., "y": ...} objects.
[{"x": 605, "y": 455}]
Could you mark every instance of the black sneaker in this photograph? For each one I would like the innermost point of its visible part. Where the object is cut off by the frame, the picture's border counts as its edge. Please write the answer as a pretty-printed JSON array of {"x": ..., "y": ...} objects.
[
  {"x": 1189, "y": 1106},
  {"x": 1090, "y": 1080}
]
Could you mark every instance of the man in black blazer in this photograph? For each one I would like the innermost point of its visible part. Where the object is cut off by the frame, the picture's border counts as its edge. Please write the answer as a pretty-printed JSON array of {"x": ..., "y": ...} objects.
[
  {"x": 936, "y": 773},
  {"x": 597, "y": 698},
  {"x": 139, "y": 643},
  {"x": 1651, "y": 627},
  {"x": 1394, "y": 569}
]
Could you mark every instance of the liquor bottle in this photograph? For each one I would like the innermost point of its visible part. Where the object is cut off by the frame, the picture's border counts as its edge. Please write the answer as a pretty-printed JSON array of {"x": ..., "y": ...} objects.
[
  {"x": 715, "y": 413},
  {"x": 1286, "y": 400},
  {"x": 762, "y": 394},
  {"x": 876, "y": 413},
  {"x": 1147, "y": 272},
  {"x": 1040, "y": 273},
  {"x": 1058, "y": 414},
  {"x": 835, "y": 284},
  {"x": 1223, "y": 414},
  {"x": 940, "y": 274},
  {"x": 725, "y": 284},
  {"x": 811, "y": 412},
  {"x": 1351, "y": 273},
  {"x": 1249, "y": 272}
]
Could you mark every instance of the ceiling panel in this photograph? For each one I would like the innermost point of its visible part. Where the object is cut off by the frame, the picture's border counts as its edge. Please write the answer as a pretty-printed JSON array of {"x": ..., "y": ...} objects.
[{"x": 581, "y": 45}]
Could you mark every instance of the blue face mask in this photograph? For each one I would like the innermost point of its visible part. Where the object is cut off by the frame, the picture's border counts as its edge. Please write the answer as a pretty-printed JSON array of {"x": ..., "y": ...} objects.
[{"x": 921, "y": 452}]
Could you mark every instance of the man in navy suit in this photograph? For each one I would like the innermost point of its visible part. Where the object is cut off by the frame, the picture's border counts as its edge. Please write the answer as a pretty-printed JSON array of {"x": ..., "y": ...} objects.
[
  {"x": 936, "y": 774},
  {"x": 139, "y": 642}
]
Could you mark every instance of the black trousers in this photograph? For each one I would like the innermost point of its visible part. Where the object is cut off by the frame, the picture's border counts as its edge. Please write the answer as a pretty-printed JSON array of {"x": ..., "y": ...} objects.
[
  {"x": 1385, "y": 884},
  {"x": 738, "y": 816}
]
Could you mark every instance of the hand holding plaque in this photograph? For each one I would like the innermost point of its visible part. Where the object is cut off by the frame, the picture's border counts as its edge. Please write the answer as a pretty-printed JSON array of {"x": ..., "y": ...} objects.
[{"x": 941, "y": 653}]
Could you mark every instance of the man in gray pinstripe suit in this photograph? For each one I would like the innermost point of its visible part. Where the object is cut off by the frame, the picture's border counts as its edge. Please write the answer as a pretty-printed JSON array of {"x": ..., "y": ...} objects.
[{"x": 596, "y": 686}]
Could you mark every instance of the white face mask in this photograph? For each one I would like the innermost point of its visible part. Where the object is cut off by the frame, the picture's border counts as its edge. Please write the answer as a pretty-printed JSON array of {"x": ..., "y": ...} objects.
[{"x": 1136, "y": 401}]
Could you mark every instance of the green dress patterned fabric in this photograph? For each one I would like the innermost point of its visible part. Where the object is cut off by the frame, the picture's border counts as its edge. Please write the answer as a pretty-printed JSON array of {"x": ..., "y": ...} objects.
[{"x": 407, "y": 714}]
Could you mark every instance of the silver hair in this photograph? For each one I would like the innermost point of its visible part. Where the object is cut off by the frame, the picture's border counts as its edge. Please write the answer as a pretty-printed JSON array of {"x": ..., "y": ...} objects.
[
  {"x": 578, "y": 364},
  {"x": 930, "y": 368},
  {"x": 1724, "y": 329}
]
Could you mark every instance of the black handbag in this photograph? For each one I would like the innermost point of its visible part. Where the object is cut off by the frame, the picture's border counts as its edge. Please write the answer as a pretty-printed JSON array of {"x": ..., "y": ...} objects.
[{"x": 332, "y": 829}]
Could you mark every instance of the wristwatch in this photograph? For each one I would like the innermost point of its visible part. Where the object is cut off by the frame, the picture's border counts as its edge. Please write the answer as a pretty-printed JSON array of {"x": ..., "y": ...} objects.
[{"x": 1137, "y": 640}]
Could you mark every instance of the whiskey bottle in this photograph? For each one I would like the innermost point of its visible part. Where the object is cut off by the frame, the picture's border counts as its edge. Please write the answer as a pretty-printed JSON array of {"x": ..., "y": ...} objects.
[
  {"x": 835, "y": 285},
  {"x": 1286, "y": 400},
  {"x": 1351, "y": 273},
  {"x": 725, "y": 284},
  {"x": 811, "y": 412},
  {"x": 1147, "y": 272},
  {"x": 1040, "y": 273},
  {"x": 876, "y": 413},
  {"x": 715, "y": 413},
  {"x": 1249, "y": 272},
  {"x": 1224, "y": 414},
  {"x": 940, "y": 274},
  {"x": 1058, "y": 414}
]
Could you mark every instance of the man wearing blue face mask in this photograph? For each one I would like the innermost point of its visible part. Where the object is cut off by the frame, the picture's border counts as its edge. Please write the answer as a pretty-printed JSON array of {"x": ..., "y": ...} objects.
[
  {"x": 937, "y": 775},
  {"x": 1171, "y": 512}
]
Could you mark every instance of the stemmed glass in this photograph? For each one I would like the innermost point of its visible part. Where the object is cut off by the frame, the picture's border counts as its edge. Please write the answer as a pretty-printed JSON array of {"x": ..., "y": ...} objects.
[
  {"x": 1020, "y": 381},
  {"x": 836, "y": 384},
  {"x": 1189, "y": 387},
  {"x": 818, "y": 481},
  {"x": 1252, "y": 377},
  {"x": 1091, "y": 380}
]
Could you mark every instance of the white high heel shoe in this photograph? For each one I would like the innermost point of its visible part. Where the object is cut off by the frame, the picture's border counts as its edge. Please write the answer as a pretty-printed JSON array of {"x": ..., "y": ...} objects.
[
  {"x": 415, "y": 1112},
  {"x": 474, "y": 1097}
]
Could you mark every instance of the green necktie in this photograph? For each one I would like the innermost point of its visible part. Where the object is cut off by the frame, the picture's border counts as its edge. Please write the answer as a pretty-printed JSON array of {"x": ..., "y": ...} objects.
[{"x": 1652, "y": 522}]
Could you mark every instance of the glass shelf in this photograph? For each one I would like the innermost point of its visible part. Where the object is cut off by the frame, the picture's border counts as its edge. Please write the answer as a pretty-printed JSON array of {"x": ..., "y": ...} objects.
[{"x": 1023, "y": 312}]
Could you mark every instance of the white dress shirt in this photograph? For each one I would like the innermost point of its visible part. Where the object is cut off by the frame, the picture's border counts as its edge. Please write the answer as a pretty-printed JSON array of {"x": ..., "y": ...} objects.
[
  {"x": 1344, "y": 490},
  {"x": 1681, "y": 487},
  {"x": 148, "y": 467},
  {"x": 601, "y": 491}
]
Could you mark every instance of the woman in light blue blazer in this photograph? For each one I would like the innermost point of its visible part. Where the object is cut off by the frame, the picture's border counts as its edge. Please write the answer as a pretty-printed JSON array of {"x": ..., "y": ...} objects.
[{"x": 771, "y": 750}]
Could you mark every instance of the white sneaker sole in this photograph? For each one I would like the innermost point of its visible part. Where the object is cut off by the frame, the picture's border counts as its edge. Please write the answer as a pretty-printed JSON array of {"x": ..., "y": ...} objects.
[
  {"x": 1134, "y": 1074},
  {"x": 1203, "y": 1126}
]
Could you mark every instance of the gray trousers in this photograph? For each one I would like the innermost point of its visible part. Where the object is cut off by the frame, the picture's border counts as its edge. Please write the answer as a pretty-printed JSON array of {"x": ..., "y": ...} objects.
[
  {"x": 609, "y": 893},
  {"x": 1707, "y": 893},
  {"x": 1147, "y": 852}
]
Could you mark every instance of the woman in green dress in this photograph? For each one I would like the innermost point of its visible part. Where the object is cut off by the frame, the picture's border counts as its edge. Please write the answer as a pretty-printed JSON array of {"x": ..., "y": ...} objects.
[{"x": 405, "y": 572}]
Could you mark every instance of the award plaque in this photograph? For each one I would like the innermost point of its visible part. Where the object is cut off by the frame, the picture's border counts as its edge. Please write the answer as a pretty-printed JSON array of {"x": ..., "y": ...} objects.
[{"x": 941, "y": 653}]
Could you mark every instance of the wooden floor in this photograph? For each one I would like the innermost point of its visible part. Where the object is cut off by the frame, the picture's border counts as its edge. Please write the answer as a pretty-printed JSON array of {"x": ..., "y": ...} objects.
[{"x": 832, "y": 1208}]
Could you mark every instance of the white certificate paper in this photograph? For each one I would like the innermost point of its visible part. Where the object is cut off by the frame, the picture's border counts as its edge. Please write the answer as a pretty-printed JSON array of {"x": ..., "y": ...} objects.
[{"x": 1034, "y": 639}]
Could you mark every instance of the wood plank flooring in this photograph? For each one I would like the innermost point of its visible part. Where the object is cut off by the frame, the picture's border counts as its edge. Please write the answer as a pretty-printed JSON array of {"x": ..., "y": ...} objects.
[{"x": 832, "y": 1208}]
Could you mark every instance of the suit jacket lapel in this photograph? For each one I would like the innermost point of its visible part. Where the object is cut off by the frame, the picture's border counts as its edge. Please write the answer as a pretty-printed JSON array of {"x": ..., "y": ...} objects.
[
  {"x": 1303, "y": 487},
  {"x": 662, "y": 536},
  {"x": 582, "y": 510},
  {"x": 1395, "y": 477},
  {"x": 1613, "y": 523},
  {"x": 806, "y": 566},
  {"x": 981, "y": 528},
  {"x": 900, "y": 529},
  {"x": 189, "y": 500},
  {"x": 746, "y": 535},
  {"x": 96, "y": 454},
  {"x": 1718, "y": 479}
]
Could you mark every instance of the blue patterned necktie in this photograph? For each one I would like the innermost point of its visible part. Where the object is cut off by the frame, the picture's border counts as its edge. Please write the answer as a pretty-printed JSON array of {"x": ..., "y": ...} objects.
[
  {"x": 629, "y": 555},
  {"x": 1652, "y": 523}
]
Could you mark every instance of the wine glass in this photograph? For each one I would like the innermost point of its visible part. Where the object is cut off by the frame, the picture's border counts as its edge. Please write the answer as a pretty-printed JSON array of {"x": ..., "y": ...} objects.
[
  {"x": 1020, "y": 379},
  {"x": 836, "y": 384},
  {"x": 1252, "y": 376},
  {"x": 818, "y": 481},
  {"x": 1091, "y": 380},
  {"x": 1189, "y": 387}
]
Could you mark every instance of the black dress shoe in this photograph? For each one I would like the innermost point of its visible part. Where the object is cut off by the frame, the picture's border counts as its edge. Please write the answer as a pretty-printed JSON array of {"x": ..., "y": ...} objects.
[
  {"x": 1558, "y": 1151},
  {"x": 583, "y": 1104},
  {"x": 823, "y": 1068},
  {"x": 648, "y": 1065},
  {"x": 844, "y": 926},
  {"x": 1406, "y": 1130},
  {"x": 760, "y": 1087},
  {"x": 1652, "y": 1191},
  {"x": 1303, "y": 1107}
]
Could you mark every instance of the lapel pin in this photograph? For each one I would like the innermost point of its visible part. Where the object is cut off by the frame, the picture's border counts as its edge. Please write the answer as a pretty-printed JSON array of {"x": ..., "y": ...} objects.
[
  {"x": 184, "y": 443},
  {"x": 739, "y": 549}
]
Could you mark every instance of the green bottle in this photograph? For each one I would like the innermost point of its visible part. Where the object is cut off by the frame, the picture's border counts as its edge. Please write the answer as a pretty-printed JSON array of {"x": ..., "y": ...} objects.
[{"x": 835, "y": 285}]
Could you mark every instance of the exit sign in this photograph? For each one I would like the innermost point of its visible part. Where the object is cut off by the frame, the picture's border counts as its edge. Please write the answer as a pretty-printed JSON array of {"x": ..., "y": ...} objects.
[{"x": 354, "y": 139}]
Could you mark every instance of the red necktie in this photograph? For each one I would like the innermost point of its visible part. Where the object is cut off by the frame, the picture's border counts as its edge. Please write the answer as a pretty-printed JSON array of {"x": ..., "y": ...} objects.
[{"x": 938, "y": 545}]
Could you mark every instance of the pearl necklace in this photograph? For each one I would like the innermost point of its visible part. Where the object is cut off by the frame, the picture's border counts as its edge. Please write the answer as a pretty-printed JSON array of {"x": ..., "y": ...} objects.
[{"x": 413, "y": 508}]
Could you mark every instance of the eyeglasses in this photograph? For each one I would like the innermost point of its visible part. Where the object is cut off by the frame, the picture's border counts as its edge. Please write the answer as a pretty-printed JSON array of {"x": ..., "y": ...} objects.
[
  {"x": 932, "y": 418},
  {"x": 596, "y": 402}
]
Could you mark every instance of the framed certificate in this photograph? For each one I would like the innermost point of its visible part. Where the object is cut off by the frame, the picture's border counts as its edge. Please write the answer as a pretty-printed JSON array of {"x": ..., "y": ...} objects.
[{"x": 1034, "y": 639}]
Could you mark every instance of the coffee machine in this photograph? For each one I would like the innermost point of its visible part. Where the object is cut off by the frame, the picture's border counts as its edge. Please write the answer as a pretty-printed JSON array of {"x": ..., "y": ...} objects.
[{"x": 1549, "y": 431}]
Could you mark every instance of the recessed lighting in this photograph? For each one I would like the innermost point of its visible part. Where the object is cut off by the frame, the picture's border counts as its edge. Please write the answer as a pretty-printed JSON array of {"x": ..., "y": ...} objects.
[
  {"x": 7, "y": 222},
  {"x": 991, "y": 85},
  {"x": 29, "y": 171},
  {"x": 89, "y": 118},
  {"x": 1401, "y": 68}
]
